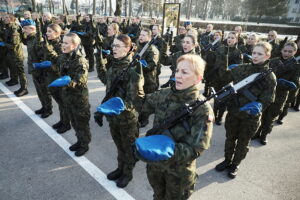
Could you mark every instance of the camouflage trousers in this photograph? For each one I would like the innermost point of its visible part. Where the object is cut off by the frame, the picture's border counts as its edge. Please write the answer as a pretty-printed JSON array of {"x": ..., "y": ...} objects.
[
  {"x": 79, "y": 113},
  {"x": 272, "y": 112},
  {"x": 42, "y": 90},
  {"x": 150, "y": 85},
  {"x": 170, "y": 186},
  {"x": 89, "y": 52},
  {"x": 124, "y": 130},
  {"x": 16, "y": 69},
  {"x": 293, "y": 98},
  {"x": 240, "y": 128}
]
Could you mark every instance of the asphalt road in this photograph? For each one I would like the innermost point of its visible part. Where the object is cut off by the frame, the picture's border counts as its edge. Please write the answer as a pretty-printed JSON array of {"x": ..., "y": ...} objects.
[{"x": 35, "y": 162}]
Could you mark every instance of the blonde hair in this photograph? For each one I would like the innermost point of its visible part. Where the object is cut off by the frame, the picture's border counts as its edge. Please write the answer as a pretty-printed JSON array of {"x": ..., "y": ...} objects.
[
  {"x": 266, "y": 46},
  {"x": 291, "y": 44},
  {"x": 74, "y": 38},
  {"x": 197, "y": 63},
  {"x": 115, "y": 26}
]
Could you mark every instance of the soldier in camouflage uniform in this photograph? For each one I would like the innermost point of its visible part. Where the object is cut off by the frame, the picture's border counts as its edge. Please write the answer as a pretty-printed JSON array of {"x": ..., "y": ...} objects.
[
  {"x": 151, "y": 56},
  {"x": 209, "y": 55},
  {"x": 189, "y": 44},
  {"x": 134, "y": 29},
  {"x": 240, "y": 125},
  {"x": 14, "y": 57},
  {"x": 88, "y": 40},
  {"x": 105, "y": 44},
  {"x": 238, "y": 30},
  {"x": 76, "y": 95},
  {"x": 272, "y": 36},
  {"x": 162, "y": 47},
  {"x": 177, "y": 46},
  {"x": 207, "y": 37},
  {"x": 35, "y": 55},
  {"x": 175, "y": 178},
  {"x": 52, "y": 50},
  {"x": 102, "y": 26},
  {"x": 123, "y": 127},
  {"x": 248, "y": 48},
  {"x": 46, "y": 21},
  {"x": 289, "y": 71},
  {"x": 225, "y": 56}
]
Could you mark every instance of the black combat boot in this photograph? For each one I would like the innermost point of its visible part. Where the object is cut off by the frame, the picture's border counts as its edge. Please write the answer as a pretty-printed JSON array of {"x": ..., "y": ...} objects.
[
  {"x": 12, "y": 82},
  {"x": 263, "y": 139},
  {"x": 81, "y": 151},
  {"x": 232, "y": 171},
  {"x": 91, "y": 69},
  {"x": 57, "y": 125},
  {"x": 279, "y": 120},
  {"x": 21, "y": 92},
  {"x": 223, "y": 165},
  {"x": 63, "y": 129},
  {"x": 114, "y": 175},
  {"x": 124, "y": 180},
  {"x": 39, "y": 111},
  {"x": 46, "y": 113},
  {"x": 296, "y": 107},
  {"x": 74, "y": 147}
]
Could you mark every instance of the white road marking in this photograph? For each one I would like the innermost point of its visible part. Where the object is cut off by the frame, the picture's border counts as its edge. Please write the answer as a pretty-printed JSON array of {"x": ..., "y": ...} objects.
[{"x": 87, "y": 165}]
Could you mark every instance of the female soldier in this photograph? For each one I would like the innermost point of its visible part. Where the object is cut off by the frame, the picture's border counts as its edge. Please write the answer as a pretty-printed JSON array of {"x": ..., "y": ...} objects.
[
  {"x": 124, "y": 127},
  {"x": 175, "y": 178},
  {"x": 189, "y": 44},
  {"x": 240, "y": 125},
  {"x": 225, "y": 56},
  {"x": 35, "y": 55},
  {"x": 76, "y": 94},
  {"x": 51, "y": 52},
  {"x": 290, "y": 73}
]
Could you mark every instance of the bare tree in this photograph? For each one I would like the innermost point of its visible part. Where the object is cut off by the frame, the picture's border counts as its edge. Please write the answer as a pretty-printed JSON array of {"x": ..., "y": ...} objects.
[
  {"x": 33, "y": 5},
  {"x": 118, "y": 10},
  {"x": 94, "y": 7},
  {"x": 110, "y": 7}
]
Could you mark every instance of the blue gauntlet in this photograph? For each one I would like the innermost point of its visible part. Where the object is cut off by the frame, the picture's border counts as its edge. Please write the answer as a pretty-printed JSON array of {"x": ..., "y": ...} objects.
[
  {"x": 252, "y": 108},
  {"x": 112, "y": 107},
  {"x": 60, "y": 82}
]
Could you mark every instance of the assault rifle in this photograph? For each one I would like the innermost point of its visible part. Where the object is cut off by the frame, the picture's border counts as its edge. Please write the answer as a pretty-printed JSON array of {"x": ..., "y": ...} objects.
[
  {"x": 211, "y": 45},
  {"x": 117, "y": 82},
  {"x": 224, "y": 95}
]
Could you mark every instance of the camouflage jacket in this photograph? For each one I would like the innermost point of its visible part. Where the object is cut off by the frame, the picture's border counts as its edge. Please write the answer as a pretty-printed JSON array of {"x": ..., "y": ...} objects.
[
  {"x": 89, "y": 29},
  {"x": 102, "y": 29},
  {"x": 286, "y": 69},
  {"x": 177, "y": 44},
  {"x": 205, "y": 39},
  {"x": 275, "y": 49},
  {"x": 263, "y": 90},
  {"x": 246, "y": 49},
  {"x": 12, "y": 40},
  {"x": 75, "y": 66},
  {"x": 52, "y": 51},
  {"x": 161, "y": 45},
  {"x": 189, "y": 143}
]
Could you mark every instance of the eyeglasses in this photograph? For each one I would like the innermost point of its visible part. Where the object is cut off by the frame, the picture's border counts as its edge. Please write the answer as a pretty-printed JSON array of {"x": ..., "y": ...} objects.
[{"x": 116, "y": 46}]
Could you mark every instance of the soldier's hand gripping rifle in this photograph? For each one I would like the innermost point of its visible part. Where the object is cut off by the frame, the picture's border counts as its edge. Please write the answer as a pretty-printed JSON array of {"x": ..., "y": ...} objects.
[
  {"x": 118, "y": 80},
  {"x": 222, "y": 96},
  {"x": 211, "y": 45}
]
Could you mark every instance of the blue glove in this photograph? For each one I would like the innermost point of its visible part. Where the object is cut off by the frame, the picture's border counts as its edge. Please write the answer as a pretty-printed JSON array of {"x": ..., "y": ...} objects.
[
  {"x": 131, "y": 35},
  {"x": 155, "y": 147},
  {"x": 81, "y": 33},
  {"x": 252, "y": 108},
  {"x": 106, "y": 52},
  {"x": 232, "y": 66},
  {"x": 173, "y": 79},
  {"x": 112, "y": 107},
  {"x": 144, "y": 63},
  {"x": 287, "y": 83},
  {"x": 2, "y": 44},
  {"x": 60, "y": 82},
  {"x": 28, "y": 22},
  {"x": 42, "y": 65},
  {"x": 247, "y": 56}
]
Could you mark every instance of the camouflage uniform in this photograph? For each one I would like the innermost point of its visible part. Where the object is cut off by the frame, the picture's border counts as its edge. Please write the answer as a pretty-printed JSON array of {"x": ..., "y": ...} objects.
[
  {"x": 175, "y": 178},
  {"x": 102, "y": 29},
  {"x": 14, "y": 57},
  {"x": 3, "y": 52},
  {"x": 209, "y": 72},
  {"x": 241, "y": 126},
  {"x": 123, "y": 127},
  {"x": 275, "y": 49},
  {"x": 225, "y": 56},
  {"x": 288, "y": 73},
  {"x": 52, "y": 51},
  {"x": 205, "y": 39},
  {"x": 87, "y": 41},
  {"x": 35, "y": 55},
  {"x": 134, "y": 29},
  {"x": 151, "y": 56},
  {"x": 76, "y": 95}
]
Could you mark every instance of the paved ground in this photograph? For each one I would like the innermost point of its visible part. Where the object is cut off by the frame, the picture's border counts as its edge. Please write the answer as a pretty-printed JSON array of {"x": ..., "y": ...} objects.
[{"x": 35, "y": 163}]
